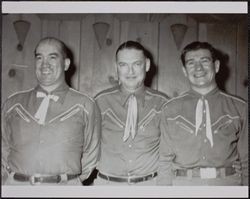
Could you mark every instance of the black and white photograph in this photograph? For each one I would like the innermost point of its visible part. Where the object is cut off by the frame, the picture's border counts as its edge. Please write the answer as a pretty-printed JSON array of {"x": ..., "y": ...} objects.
[{"x": 124, "y": 99}]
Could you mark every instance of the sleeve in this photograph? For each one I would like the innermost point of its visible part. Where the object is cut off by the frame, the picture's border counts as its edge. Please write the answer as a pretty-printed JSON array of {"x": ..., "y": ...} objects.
[
  {"x": 243, "y": 146},
  {"x": 91, "y": 145},
  {"x": 5, "y": 144},
  {"x": 165, "y": 172}
]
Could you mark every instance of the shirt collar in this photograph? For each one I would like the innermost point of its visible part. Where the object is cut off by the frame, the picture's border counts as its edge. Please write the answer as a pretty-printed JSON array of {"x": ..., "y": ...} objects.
[
  {"x": 139, "y": 94},
  {"x": 209, "y": 94},
  {"x": 60, "y": 91}
]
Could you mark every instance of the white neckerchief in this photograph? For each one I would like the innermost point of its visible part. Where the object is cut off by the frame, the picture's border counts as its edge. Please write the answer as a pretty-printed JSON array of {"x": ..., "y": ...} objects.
[
  {"x": 198, "y": 119},
  {"x": 43, "y": 108},
  {"x": 131, "y": 122}
]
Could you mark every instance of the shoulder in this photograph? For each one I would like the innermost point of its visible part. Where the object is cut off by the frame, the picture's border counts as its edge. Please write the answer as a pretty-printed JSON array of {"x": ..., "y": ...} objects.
[
  {"x": 106, "y": 93},
  {"x": 156, "y": 94},
  {"x": 20, "y": 94},
  {"x": 79, "y": 95},
  {"x": 176, "y": 101},
  {"x": 233, "y": 98},
  {"x": 16, "y": 98}
]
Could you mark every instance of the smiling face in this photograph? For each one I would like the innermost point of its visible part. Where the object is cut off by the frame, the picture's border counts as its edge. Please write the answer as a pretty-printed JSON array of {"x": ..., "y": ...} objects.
[
  {"x": 132, "y": 66},
  {"x": 201, "y": 69},
  {"x": 50, "y": 64}
]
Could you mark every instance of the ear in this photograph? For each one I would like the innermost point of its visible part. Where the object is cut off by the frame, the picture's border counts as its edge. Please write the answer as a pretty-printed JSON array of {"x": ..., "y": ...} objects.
[
  {"x": 184, "y": 70},
  {"x": 147, "y": 64},
  {"x": 66, "y": 64},
  {"x": 217, "y": 66}
]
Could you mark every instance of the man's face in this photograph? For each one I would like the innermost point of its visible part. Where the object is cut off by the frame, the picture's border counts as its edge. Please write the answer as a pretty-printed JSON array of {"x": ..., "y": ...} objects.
[
  {"x": 200, "y": 68},
  {"x": 50, "y": 64},
  {"x": 132, "y": 67}
]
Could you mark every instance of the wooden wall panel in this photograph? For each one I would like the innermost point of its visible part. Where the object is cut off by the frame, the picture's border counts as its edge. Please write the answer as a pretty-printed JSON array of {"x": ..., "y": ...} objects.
[
  {"x": 21, "y": 63},
  {"x": 171, "y": 79},
  {"x": 224, "y": 37},
  {"x": 51, "y": 28},
  {"x": 70, "y": 33},
  {"x": 87, "y": 55},
  {"x": 97, "y": 65}
]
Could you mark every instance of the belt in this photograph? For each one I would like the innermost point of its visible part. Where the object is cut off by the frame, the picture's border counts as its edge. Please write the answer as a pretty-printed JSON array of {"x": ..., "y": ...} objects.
[
  {"x": 206, "y": 172},
  {"x": 38, "y": 178},
  {"x": 129, "y": 180}
]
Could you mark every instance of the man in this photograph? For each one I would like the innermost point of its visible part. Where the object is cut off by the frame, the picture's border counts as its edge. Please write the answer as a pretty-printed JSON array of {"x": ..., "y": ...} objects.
[
  {"x": 204, "y": 131},
  {"x": 50, "y": 134},
  {"x": 130, "y": 122}
]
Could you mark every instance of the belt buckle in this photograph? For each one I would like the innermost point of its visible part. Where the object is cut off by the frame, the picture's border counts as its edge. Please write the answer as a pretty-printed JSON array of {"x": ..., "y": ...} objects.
[
  {"x": 129, "y": 180},
  {"x": 32, "y": 179},
  {"x": 208, "y": 173}
]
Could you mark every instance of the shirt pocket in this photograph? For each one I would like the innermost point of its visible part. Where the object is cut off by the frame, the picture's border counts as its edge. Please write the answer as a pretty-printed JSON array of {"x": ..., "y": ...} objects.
[
  {"x": 70, "y": 114},
  {"x": 18, "y": 113},
  {"x": 225, "y": 126},
  {"x": 111, "y": 121},
  {"x": 180, "y": 128}
]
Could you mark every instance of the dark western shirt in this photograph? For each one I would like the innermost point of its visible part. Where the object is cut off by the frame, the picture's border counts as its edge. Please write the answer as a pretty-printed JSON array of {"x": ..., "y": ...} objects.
[
  {"x": 134, "y": 157},
  {"x": 181, "y": 148},
  {"x": 68, "y": 141}
]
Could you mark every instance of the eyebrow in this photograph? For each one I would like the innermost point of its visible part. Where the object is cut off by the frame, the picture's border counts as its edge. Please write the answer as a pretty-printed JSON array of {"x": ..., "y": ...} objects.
[{"x": 51, "y": 54}]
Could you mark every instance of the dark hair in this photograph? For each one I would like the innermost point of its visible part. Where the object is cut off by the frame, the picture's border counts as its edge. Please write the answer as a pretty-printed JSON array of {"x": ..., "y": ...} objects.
[
  {"x": 132, "y": 45},
  {"x": 196, "y": 45},
  {"x": 63, "y": 48}
]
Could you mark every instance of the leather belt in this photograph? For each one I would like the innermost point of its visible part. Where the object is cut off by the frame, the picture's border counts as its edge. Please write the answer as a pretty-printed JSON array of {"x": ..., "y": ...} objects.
[
  {"x": 38, "y": 178},
  {"x": 129, "y": 180},
  {"x": 199, "y": 172}
]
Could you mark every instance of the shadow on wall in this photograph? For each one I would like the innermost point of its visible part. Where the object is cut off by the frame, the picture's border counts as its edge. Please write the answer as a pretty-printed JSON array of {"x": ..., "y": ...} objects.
[
  {"x": 72, "y": 68},
  {"x": 152, "y": 71},
  {"x": 223, "y": 74}
]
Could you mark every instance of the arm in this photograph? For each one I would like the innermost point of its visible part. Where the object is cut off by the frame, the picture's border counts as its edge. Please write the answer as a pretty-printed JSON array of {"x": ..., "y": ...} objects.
[
  {"x": 165, "y": 173},
  {"x": 5, "y": 145},
  {"x": 242, "y": 146},
  {"x": 91, "y": 145}
]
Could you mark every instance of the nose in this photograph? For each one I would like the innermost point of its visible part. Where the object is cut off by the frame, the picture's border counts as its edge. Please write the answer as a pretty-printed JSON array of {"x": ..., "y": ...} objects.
[
  {"x": 198, "y": 66},
  {"x": 45, "y": 62},
  {"x": 130, "y": 69}
]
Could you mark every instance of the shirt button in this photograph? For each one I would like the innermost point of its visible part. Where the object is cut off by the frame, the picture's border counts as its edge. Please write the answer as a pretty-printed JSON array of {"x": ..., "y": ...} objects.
[
  {"x": 203, "y": 157},
  {"x": 204, "y": 111},
  {"x": 130, "y": 146},
  {"x": 204, "y": 125}
]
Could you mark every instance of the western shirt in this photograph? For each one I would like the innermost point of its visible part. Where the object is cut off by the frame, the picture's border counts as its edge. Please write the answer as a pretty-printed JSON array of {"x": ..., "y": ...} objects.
[
  {"x": 133, "y": 157},
  {"x": 68, "y": 141},
  {"x": 182, "y": 148}
]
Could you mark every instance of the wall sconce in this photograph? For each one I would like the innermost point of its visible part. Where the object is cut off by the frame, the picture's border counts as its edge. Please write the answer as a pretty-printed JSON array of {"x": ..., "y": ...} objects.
[
  {"x": 178, "y": 31},
  {"x": 21, "y": 27},
  {"x": 101, "y": 30}
]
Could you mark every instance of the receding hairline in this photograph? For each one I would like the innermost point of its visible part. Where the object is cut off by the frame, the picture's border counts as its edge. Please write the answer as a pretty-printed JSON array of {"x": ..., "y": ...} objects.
[{"x": 50, "y": 40}]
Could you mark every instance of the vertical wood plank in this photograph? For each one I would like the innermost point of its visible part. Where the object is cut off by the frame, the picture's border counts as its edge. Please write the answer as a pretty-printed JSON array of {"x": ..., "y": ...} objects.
[
  {"x": 50, "y": 28},
  {"x": 70, "y": 34},
  {"x": 21, "y": 62},
  {"x": 171, "y": 79},
  {"x": 224, "y": 37}
]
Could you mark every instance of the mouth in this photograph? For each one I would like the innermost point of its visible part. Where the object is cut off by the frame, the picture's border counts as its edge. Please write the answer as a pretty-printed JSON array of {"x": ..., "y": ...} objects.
[
  {"x": 199, "y": 75},
  {"x": 131, "y": 77},
  {"x": 45, "y": 72}
]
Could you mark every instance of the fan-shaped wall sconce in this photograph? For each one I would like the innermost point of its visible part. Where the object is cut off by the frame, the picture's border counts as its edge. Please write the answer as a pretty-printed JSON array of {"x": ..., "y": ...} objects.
[
  {"x": 21, "y": 27},
  {"x": 101, "y": 30},
  {"x": 178, "y": 31}
]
